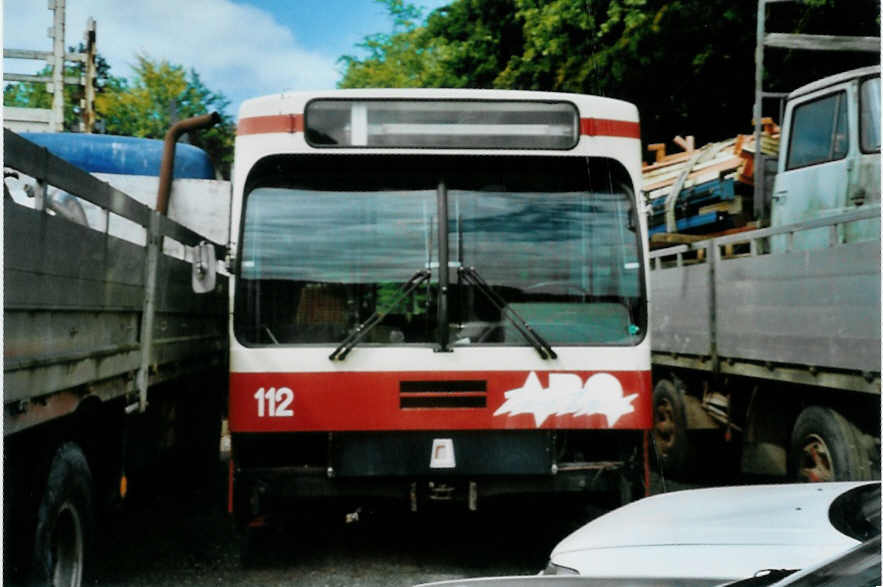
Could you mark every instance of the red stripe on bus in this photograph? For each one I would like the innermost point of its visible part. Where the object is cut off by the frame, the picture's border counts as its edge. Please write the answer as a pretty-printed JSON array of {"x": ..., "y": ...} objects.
[
  {"x": 351, "y": 401},
  {"x": 254, "y": 125},
  {"x": 605, "y": 127}
]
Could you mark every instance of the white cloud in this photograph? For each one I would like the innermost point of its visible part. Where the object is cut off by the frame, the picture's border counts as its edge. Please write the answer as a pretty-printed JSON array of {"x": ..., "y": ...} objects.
[{"x": 238, "y": 50}]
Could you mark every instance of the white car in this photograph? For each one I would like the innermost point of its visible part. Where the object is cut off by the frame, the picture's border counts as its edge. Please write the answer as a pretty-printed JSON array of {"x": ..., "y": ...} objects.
[
  {"x": 857, "y": 567},
  {"x": 723, "y": 534}
]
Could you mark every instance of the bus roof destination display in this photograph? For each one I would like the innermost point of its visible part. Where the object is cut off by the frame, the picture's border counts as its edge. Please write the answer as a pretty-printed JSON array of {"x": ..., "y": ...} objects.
[{"x": 448, "y": 124}]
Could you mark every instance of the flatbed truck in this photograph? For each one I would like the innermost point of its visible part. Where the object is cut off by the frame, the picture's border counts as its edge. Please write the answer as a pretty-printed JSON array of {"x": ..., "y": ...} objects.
[{"x": 115, "y": 356}]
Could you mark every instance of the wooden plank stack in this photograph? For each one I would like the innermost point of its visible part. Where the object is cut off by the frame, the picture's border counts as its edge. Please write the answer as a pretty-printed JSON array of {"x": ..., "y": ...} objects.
[{"x": 716, "y": 187}]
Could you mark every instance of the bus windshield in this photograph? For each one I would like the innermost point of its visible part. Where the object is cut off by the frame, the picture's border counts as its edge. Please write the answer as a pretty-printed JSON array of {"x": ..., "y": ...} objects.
[{"x": 327, "y": 242}]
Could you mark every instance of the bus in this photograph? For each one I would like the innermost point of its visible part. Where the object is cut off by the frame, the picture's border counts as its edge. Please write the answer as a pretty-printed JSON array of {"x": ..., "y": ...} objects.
[{"x": 437, "y": 295}]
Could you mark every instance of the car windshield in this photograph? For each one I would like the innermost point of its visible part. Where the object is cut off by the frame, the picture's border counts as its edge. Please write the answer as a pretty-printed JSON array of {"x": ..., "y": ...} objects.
[
  {"x": 856, "y": 513},
  {"x": 327, "y": 242},
  {"x": 857, "y": 567}
]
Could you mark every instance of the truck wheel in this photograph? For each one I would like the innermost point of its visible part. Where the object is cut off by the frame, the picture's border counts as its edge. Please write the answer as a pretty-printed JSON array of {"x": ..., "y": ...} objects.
[
  {"x": 825, "y": 446},
  {"x": 670, "y": 429},
  {"x": 64, "y": 520},
  {"x": 251, "y": 546},
  {"x": 247, "y": 548}
]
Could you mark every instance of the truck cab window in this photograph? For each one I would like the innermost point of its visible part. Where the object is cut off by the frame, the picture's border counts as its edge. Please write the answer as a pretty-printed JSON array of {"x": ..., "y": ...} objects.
[{"x": 819, "y": 132}]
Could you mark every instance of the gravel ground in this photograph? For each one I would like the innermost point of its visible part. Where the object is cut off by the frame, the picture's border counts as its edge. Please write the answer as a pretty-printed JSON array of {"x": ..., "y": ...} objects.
[
  {"x": 172, "y": 536},
  {"x": 186, "y": 538}
]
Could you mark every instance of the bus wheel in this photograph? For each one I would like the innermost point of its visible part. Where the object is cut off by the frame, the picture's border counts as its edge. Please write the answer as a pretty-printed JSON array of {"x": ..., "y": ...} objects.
[
  {"x": 64, "y": 520},
  {"x": 670, "y": 429},
  {"x": 825, "y": 446}
]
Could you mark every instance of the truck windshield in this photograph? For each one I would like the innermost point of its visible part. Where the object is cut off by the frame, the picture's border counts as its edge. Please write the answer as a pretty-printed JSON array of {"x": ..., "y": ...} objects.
[{"x": 328, "y": 241}]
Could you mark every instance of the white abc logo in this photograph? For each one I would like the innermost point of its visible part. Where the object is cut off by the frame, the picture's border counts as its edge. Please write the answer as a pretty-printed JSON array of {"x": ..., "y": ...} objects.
[{"x": 566, "y": 394}]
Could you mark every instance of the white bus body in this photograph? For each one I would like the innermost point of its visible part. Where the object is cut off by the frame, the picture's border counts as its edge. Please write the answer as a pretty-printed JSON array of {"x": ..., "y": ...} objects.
[{"x": 373, "y": 354}]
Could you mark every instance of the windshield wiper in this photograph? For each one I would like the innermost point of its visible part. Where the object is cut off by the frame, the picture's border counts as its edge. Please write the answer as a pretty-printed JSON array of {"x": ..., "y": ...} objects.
[
  {"x": 536, "y": 341},
  {"x": 362, "y": 329}
]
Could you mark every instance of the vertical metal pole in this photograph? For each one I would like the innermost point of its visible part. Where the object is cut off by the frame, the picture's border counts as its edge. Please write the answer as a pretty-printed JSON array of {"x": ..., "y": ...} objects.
[
  {"x": 40, "y": 188},
  {"x": 759, "y": 165},
  {"x": 443, "y": 326},
  {"x": 57, "y": 89},
  {"x": 154, "y": 242},
  {"x": 427, "y": 223},
  {"x": 89, "y": 88},
  {"x": 40, "y": 195}
]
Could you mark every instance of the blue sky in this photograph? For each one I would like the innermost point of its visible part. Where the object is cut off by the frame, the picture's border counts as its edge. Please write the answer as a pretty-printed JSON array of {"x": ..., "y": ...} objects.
[{"x": 242, "y": 48}]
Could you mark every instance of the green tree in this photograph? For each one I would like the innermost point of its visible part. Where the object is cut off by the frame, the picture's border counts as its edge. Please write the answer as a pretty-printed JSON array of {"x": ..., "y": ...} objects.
[
  {"x": 400, "y": 59},
  {"x": 474, "y": 41},
  {"x": 687, "y": 64},
  {"x": 465, "y": 44},
  {"x": 34, "y": 95},
  {"x": 159, "y": 94}
]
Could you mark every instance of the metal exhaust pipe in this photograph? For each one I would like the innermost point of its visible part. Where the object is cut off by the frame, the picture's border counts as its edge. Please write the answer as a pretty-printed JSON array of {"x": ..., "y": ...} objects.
[{"x": 168, "y": 157}]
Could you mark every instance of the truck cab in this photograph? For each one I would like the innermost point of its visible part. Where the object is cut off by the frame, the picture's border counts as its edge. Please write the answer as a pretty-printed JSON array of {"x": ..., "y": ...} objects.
[{"x": 830, "y": 158}]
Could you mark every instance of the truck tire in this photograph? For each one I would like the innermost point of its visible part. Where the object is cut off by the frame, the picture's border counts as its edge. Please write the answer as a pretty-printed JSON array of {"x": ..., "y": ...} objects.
[
  {"x": 825, "y": 446},
  {"x": 64, "y": 520},
  {"x": 670, "y": 429},
  {"x": 252, "y": 544},
  {"x": 247, "y": 548}
]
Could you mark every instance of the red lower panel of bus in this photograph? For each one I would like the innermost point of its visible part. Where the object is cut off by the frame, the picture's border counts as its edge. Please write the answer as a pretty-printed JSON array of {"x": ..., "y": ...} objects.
[{"x": 466, "y": 400}]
